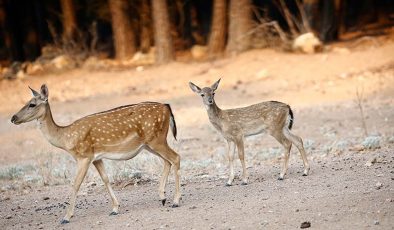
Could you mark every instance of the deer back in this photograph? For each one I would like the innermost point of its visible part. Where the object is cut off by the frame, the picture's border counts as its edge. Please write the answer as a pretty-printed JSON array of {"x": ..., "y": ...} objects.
[{"x": 120, "y": 129}]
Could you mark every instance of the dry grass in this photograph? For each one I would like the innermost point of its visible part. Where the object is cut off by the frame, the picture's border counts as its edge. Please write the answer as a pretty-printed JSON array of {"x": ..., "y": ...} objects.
[{"x": 56, "y": 169}]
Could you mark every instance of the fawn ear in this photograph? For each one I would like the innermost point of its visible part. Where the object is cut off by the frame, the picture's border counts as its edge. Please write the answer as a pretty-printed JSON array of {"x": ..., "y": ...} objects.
[
  {"x": 215, "y": 85},
  {"x": 34, "y": 93},
  {"x": 44, "y": 92},
  {"x": 195, "y": 88}
]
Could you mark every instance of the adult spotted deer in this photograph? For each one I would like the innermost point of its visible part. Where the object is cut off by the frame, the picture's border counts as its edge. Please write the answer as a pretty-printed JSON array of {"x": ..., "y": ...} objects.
[
  {"x": 273, "y": 117},
  {"x": 117, "y": 134}
]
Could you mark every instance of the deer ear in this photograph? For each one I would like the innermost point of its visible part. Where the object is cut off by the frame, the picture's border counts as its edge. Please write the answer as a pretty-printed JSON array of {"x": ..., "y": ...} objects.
[
  {"x": 34, "y": 93},
  {"x": 195, "y": 88},
  {"x": 44, "y": 91},
  {"x": 215, "y": 85}
]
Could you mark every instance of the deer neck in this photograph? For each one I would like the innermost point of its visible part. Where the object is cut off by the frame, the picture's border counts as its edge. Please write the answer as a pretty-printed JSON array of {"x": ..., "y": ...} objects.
[
  {"x": 52, "y": 132},
  {"x": 214, "y": 113}
]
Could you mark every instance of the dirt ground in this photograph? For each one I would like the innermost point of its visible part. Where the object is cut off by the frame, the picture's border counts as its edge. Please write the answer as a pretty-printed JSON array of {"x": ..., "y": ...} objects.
[{"x": 342, "y": 192}]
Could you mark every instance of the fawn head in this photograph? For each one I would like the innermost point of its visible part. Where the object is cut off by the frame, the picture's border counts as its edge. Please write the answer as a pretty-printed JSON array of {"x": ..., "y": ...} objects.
[
  {"x": 207, "y": 93},
  {"x": 35, "y": 108}
]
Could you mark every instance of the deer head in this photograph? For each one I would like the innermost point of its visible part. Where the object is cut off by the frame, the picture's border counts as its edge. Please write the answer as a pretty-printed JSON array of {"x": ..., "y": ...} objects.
[
  {"x": 34, "y": 109},
  {"x": 207, "y": 93}
]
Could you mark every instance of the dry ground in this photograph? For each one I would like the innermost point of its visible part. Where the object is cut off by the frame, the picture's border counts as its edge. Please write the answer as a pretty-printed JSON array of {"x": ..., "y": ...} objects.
[{"x": 340, "y": 193}]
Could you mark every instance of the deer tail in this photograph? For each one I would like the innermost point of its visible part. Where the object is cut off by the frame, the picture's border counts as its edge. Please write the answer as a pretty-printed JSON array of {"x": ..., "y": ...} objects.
[{"x": 172, "y": 122}]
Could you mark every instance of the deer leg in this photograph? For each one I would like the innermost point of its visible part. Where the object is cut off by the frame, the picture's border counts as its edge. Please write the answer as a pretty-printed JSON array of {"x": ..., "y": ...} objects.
[
  {"x": 101, "y": 170},
  {"x": 230, "y": 154},
  {"x": 170, "y": 155},
  {"x": 241, "y": 155},
  {"x": 163, "y": 181},
  {"x": 286, "y": 143},
  {"x": 83, "y": 166},
  {"x": 297, "y": 141}
]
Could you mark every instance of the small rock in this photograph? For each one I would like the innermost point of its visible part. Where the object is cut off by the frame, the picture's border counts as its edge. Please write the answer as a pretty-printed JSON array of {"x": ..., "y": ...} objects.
[
  {"x": 45, "y": 198},
  {"x": 307, "y": 43},
  {"x": 193, "y": 207},
  {"x": 99, "y": 222},
  {"x": 378, "y": 185},
  {"x": 370, "y": 162},
  {"x": 8, "y": 217},
  {"x": 357, "y": 148},
  {"x": 264, "y": 223},
  {"x": 92, "y": 184},
  {"x": 306, "y": 224},
  {"x": 376, "y": 222}
]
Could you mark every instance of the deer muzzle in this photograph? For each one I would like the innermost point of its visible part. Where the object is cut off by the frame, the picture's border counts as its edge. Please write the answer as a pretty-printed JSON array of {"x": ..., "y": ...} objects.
[{"x": 14, "y": 119}]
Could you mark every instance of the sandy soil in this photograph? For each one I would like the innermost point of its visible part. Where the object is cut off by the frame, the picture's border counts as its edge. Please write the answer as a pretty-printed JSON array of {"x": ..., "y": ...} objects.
[{"x": 340, "y": 193}]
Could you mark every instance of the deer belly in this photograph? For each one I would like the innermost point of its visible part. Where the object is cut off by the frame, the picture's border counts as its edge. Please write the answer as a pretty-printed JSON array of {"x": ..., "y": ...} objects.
[
  {"x": 123, "y": 155},
  {"x": 254, "y": 130}
]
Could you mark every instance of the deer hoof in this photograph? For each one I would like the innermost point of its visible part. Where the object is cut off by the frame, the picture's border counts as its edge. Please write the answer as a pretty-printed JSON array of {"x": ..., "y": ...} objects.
[
  {"x": 228, "y": 185},
  {"x": 163, "y": 201},
  {"x": 64, "y": 221},
  {"x": 305, "y": 174},
  {"x": 113, "y": 213},
  {"x": 175, "y": 206},
  {"x": 280, "y": 178}
]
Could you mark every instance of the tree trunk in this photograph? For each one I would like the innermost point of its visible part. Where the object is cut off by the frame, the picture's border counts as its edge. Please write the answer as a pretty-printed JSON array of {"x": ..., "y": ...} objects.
[
  {"x": 69, "y": 20},
  {"x": 123, "y": 33},
  {"x": 161, "y": 25},
  {"x": 145, "y": 38},
  {"x": 5, "y": 38},
  {"x": 217, "y": 38},
  {"x": 339, "y": 14},
  {"x": 13, "y": 31},
  {"x": 240, "y": 24},
  {"x": 311, "y": 8},
  {"x": 187, "y": 35}
]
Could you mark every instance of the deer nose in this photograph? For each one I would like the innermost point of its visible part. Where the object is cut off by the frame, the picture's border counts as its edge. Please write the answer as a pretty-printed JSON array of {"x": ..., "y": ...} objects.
[{"x": 13, "y": 118}]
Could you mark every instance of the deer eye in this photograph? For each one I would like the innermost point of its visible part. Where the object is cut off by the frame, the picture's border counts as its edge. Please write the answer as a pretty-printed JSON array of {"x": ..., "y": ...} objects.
[
  {"x": 213, "y": 94},
  {"x": 202, "y": 95},
  {"x": 32, "y": 105}
]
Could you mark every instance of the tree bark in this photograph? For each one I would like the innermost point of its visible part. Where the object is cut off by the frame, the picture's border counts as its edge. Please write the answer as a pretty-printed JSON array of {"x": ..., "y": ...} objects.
[
  {"x": 339, "y": 15},
  {"x": 240, "y": 24},
  {"x": 217, "y": 38},
  {"x": 145, "y": 38},
  {"x": 161, "y": 24},
  {"x": 69, "y": 20},
  {"x": 123, "y": 33}
]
